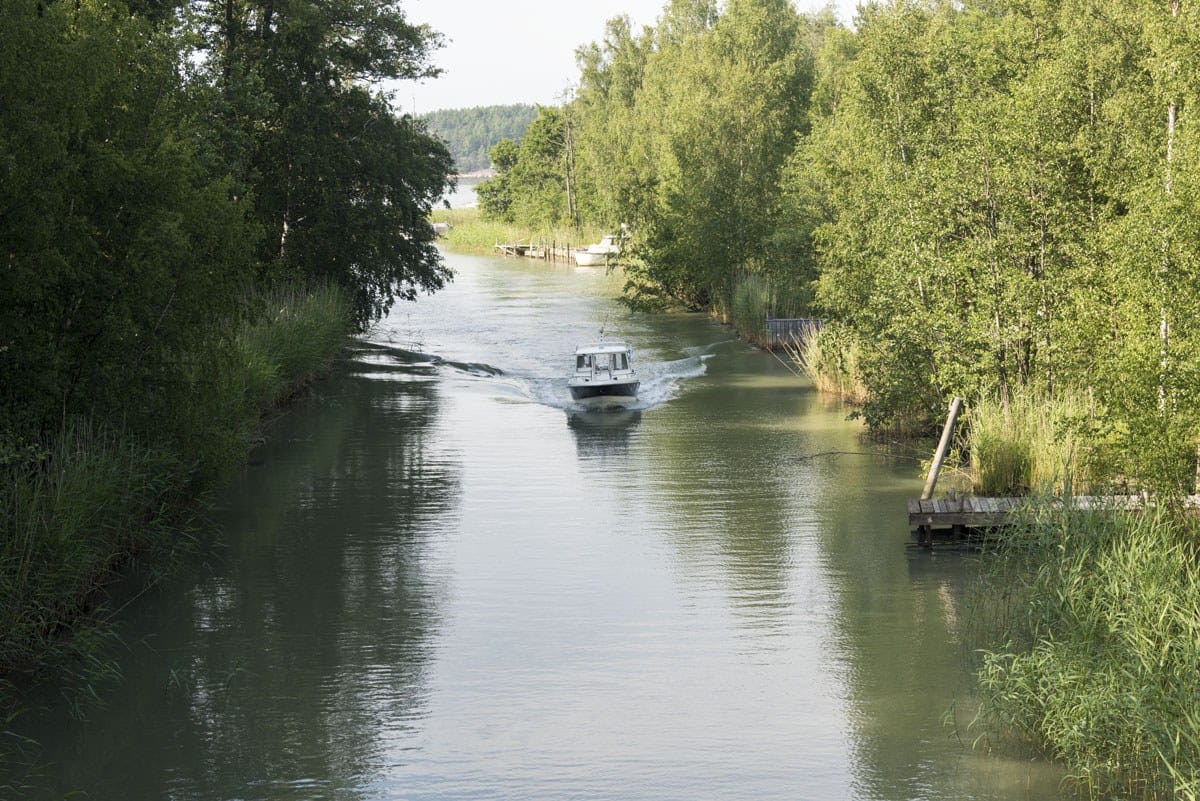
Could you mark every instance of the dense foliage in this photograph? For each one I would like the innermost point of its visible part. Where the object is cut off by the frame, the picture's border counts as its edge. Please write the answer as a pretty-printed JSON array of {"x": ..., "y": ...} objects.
[
  {"x": 198, "y": 201},
  {"x": 141, "y": 195},
  {"x": 983, "y": 197},
  {"x": 471, "y": 133}
]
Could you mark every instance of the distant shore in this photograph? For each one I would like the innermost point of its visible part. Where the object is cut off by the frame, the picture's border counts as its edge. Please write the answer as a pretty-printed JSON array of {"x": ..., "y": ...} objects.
[{"x": 488, "y": 173}]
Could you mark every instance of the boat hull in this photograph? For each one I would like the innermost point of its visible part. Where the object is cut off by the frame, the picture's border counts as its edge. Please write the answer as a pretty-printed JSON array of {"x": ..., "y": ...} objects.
[
  {"x": 598, "y": 396},
  {"x": 586, "y": 259}
]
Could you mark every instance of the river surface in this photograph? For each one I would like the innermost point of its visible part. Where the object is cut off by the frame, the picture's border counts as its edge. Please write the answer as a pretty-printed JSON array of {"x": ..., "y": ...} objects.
[{"x": 439, "y": 580}]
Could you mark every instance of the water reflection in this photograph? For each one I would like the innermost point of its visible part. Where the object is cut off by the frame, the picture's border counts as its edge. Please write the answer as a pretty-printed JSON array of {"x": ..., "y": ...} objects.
[
  {"x": 718, "y": 476},
  {"x": 603, "y": 434},
  {"x": 277, "y": 672},
  {"x": 899, "y": 615},
  {"x": 432, "y": 588}
]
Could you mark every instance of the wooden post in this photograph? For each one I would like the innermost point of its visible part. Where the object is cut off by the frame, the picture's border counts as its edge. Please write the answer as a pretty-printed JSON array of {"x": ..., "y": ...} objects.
[{"x": 943, "y": 446}]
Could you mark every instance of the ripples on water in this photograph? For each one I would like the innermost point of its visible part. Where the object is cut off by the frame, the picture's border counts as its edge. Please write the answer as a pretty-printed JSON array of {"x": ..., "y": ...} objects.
[{"x": 444, "y": 581}]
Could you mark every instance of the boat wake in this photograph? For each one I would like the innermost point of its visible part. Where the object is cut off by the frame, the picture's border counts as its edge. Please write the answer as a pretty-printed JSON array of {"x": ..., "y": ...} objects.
[{"x": 661, "y": 380}]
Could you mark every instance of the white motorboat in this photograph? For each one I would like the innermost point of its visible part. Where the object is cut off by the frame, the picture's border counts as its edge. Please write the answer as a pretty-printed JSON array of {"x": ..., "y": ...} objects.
[
  {"x": 599, "y": 253},
  {"x": 604, "y": 376}
]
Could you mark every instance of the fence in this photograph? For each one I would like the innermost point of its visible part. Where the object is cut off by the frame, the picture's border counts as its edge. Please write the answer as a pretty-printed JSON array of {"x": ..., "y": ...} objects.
[{"x": 783, "y": 329}]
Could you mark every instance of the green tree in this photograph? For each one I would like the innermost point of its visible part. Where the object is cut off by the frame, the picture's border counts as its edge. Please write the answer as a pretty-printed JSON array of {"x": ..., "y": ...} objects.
[
  {"x": 722, "y": 111},
  {"x": 614, "y": 170},
  {"x": 535, "y": 183},
  {"x": 124, "y": 257},
  {"x": 341, "y": 186}
]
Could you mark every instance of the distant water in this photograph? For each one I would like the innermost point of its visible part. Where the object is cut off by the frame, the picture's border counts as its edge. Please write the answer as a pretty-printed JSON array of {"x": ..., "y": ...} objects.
[{"x": 464, "y": 196}]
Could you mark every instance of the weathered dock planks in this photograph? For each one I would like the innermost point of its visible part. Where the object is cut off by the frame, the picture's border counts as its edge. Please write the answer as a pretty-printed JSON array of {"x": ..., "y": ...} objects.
[
  {"x": 965, "y": 517},
  {"x": 541, "y": 251}
]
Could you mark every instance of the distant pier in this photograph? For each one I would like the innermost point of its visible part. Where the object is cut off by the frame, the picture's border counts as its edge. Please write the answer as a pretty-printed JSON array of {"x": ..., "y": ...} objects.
[{"x": 543, "y": 251}]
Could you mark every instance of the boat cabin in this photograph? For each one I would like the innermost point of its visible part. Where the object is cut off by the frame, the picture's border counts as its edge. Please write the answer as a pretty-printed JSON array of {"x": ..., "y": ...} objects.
[
  {"x": 603, "y": 360},
  {"x": 604, "y": 375}
]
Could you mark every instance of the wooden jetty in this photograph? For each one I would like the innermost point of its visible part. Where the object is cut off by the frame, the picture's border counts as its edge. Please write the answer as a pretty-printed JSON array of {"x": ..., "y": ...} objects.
[
  {"x": 967, "y": 518},
  {"x": 963, "y": 512},
  {"x": 512, "y": 248},
  {"x": 542, "y": 251}
]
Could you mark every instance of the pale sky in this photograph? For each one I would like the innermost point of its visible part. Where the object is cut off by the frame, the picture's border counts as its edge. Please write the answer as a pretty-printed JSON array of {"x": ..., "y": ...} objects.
[{"x": 522, "y": 51}]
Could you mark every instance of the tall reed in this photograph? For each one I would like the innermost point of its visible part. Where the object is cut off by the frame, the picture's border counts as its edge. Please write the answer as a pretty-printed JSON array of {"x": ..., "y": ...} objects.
[
  {"x": 750, "y": 306},
  {"x": 299, "y": 331},
  {"x": 830, "y": 360},
  {"x": 1033, "y": 443},
  {"x": 68, "y": 517},
  {"x": 1098, "y": 655}
]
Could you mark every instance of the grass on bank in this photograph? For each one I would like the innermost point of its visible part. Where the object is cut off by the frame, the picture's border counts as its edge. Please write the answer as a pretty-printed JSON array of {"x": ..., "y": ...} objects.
[
  {"x": 1098, "y": 620},
  {"x": 831, "y": 362},
  {"x": 78, "y": 505},
  {"x": 1034, "y": 443},
  {"x": 470, "y": 232}
]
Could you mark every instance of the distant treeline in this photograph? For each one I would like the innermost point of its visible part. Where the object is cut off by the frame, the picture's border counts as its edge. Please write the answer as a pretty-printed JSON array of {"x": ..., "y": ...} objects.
[
  {"x": 198, "y": 202},
  {"x": 470, "y": 133}
]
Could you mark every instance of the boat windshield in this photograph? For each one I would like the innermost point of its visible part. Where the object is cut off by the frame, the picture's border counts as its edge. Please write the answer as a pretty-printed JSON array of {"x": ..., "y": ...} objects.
[{"x": 585, "y": 362}]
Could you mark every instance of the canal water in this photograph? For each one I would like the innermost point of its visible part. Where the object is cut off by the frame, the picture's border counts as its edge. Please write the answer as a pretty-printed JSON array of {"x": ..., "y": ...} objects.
[{"x": 439, "y": 580}]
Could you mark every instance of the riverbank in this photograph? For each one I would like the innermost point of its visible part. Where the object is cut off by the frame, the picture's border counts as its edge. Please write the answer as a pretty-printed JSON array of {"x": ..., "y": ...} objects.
[
  {"x": 1087, "y": 623},
  {"x": 82, "y": 503},
  {"x": 471, "y": 233},
  {"x": 635, "y": 566}
]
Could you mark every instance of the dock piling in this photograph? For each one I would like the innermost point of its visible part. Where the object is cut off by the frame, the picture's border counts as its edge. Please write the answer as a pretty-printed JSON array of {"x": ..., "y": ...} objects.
[{"x": 943, "y": 446}]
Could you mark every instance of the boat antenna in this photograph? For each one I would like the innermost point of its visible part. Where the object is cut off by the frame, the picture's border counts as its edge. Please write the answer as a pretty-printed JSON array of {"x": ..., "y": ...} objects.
[{"x": 603, "y": 326}]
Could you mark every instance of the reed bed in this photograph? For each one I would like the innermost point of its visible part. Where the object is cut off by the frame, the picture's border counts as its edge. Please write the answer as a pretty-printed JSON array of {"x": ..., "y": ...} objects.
[
  {"x": 755, "y": 298},
  {"x": 295, "y": 338},
  {"x": 291, "y": 336},
  {"x": 75, "y": 506},
  {"x": 70, "y": 513},
  {"x": 831, "y": 362},
  {"x": 1098, "y": 616},
  {"x": 750, "y": 306},
  {"x": 1033, "y": 444}
]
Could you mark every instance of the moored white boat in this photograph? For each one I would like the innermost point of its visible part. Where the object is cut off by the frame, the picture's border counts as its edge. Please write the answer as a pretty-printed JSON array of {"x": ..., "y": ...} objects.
[
  {"x": 604, "y": 376},
  {"x": 599, "y": 253}
]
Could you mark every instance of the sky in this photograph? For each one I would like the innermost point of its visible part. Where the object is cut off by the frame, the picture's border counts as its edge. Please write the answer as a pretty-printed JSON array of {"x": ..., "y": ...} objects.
[{"x": 521, "y": 51}]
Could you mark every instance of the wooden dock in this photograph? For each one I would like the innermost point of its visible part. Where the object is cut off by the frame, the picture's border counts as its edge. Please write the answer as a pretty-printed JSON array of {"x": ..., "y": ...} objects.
[
  {"x": 541, "y": 251},
  {"x": 968, "y": 517},
  {"x": 971, "y": 512}
]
